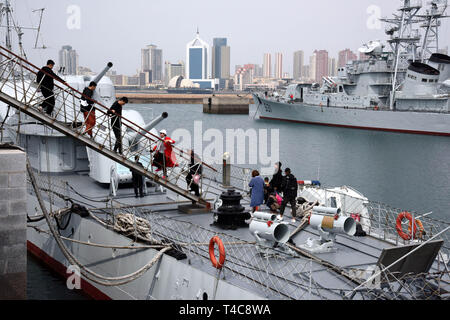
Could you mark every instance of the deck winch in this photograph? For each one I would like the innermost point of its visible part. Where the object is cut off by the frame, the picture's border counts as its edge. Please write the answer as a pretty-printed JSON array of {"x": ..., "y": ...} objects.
[
  {"x": 231, "y": 214},
  {"x": 329, "y": 223}
]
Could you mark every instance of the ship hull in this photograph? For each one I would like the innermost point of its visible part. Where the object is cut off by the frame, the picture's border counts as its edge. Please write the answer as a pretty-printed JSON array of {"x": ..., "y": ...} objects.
[
  {"x": 393, "y": 121},
  {"x": 168, "y": 279}
]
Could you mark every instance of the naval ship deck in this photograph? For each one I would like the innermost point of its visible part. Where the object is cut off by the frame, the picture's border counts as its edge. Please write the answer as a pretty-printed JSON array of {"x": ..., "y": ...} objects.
[{"x": 278, "y": 274}]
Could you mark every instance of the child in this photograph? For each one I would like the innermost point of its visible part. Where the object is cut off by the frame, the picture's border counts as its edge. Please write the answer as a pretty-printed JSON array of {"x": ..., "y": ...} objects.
[{"x": 272, "y": 203}]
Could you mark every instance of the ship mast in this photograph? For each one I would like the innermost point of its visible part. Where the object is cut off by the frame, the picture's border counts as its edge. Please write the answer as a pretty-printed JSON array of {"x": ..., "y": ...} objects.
[
  {"x": 404, "y": 39},
  {"x": 431, "y": 24},
  {"x": 6, "y": 11}
]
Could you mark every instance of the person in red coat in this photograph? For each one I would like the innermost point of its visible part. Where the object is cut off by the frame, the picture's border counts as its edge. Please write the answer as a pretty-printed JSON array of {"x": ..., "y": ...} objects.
[{"x": 164, "y": 156}]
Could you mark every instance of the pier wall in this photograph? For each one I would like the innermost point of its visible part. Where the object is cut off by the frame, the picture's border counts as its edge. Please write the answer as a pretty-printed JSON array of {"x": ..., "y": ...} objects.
[
  {"x": 151, "y": 98},
  {"x": 13, "y": 224},
  {"x": 226, "y": 105}
]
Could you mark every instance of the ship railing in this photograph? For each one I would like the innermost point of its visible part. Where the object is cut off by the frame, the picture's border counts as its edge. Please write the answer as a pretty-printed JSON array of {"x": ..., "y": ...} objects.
[
  {"x": 379, "y": 219},
  {"x": 277, "y": 274},
  {"x": 19, "y": 89}
]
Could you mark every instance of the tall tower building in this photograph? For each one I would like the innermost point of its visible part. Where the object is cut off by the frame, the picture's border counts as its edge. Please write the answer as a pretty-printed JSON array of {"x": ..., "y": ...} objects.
[
  {"x": 267, "y": 65},
  {"x": 321, "y": 64},
  {"x": 332, "y": 67},
  {"x": 279, "y": 65},
  {"x": 152, "y": 62},
  {"x": 312, "y": 67},
  {"x": 299, "y": 61},
  {"x": 68, "y": 59},
  {"x": 197, "y": 59},
  {"x": 220, "y": 59},
  {"x": 346, "y": 56}
]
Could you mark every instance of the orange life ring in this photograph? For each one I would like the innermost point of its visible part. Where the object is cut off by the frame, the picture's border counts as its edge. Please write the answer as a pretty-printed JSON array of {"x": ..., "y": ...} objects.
[
  {"x": 400, "y": 217},
  {"x": 212, "y": 256},
  {"x": 421, "y": 229}
]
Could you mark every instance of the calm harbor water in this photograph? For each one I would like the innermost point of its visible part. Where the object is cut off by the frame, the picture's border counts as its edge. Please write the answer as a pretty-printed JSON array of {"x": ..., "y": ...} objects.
[{"x": 410, "y": 172}]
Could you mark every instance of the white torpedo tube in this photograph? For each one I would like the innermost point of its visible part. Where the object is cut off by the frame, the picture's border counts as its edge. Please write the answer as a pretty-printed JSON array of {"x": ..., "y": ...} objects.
[{"x": 328, "y": 222}]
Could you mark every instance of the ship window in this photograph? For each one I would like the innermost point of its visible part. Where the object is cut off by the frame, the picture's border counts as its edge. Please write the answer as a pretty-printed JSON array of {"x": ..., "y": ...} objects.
[
  {"x": 341, "y": 89},
  {"x": 424, "y": 80}
]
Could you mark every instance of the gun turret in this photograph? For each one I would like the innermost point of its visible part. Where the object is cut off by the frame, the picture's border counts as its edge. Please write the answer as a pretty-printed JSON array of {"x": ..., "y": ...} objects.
[
  {"x": 99, "y": 77},
  {"x": 134, "y": 140}
]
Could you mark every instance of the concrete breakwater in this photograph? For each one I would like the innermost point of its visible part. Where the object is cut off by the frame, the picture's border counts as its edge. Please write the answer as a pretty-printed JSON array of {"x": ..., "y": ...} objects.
[{"x": 172, "y": 98}]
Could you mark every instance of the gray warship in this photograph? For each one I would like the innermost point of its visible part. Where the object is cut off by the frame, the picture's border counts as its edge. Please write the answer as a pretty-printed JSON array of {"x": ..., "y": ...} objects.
[
  {"x": 401, "y": 89},
  {"x": 175, "y": 245}
]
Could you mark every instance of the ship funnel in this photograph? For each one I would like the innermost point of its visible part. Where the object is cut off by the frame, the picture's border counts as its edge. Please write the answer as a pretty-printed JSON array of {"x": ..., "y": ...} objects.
[
  {"x": 441, "y": 62},
  {"x": 99, "y": 77}
]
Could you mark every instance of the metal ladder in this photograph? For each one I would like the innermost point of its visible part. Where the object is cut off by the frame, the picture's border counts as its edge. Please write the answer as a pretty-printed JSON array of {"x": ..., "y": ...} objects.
[{"x": 19, "y": 90}]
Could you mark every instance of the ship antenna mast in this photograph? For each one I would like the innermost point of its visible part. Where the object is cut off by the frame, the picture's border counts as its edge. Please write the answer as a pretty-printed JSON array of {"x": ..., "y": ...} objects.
[
  {"x": 38, "y": 29},
  {"x": 403, "y": 40},
  {"x": 431, "y": 25},
  {"x": 6, "y": 10}
]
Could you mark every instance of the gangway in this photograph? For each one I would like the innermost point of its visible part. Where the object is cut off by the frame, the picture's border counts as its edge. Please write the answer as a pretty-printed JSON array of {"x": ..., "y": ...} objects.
[{"x": 18, "y": 89}]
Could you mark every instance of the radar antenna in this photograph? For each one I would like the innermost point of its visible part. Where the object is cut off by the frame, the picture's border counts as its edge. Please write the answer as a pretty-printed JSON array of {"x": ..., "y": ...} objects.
[
  {"x": 38, "y": 29},
  {"x": 6, "y": 14}
]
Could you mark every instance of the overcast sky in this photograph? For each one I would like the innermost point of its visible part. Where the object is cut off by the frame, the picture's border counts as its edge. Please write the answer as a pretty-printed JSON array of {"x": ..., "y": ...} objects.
[{"x": 116, "y": 30}]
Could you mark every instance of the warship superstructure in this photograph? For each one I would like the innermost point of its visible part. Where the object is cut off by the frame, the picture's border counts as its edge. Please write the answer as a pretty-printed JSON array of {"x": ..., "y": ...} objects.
[
  {"x": 401, "y": 89},
  {"x": 173, "y": 244}
]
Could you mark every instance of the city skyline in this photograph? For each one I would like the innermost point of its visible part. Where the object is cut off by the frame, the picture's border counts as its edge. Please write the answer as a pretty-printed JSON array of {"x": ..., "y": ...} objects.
[{"x": 299, "y": 28}]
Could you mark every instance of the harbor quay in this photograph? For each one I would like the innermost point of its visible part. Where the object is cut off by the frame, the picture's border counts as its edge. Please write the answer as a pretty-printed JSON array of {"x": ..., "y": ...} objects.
[{"x": 212, "y": 103}]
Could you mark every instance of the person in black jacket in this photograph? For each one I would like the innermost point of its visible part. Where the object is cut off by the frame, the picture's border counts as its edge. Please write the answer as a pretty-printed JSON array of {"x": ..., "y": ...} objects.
[
  {"x": 87, "y": 107},
  {"x": 116, "y": 122},
  {"x": 289, "y": 187},
  {"x": 277, "y": 179},
  {"x": 194, "y": 170},
  {"x": 45, "y": 79},
  {"x": 138, "y": 180}
]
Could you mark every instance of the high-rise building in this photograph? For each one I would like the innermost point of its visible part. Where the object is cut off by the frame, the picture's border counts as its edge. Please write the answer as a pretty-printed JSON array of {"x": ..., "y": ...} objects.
[
  {"x": 144, "y": 78},
  {"x": 68, "y": 60},
  {"x": 197, "y": 59},
  {"x": 312, "y": 67},
  {"x": 305, "y": 74},
  {"x": 332, "y": 67},
  {"x": 152, "y": 63},
  {"x": 174, "y": 70},
  {"x": 267, "y": 65},
  {"x": 220, "y": 59},
  {"x": 258, "y": 71},
  {"x": 299, "y": 61},
  {"x": 345, "y": 56},
  {"x": 244, "y": 76},
  {"x": 279, "y": 65},
  {"x": 321, "y": 64}
]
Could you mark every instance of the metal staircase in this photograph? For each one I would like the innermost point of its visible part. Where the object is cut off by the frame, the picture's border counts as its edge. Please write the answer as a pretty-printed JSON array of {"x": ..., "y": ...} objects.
[{"x": 18, "y": 89}]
